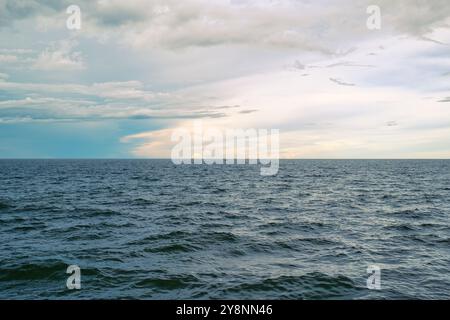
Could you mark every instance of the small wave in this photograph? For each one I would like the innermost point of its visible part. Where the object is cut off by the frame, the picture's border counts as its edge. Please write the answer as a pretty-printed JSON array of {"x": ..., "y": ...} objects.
[
  {"x": 35, "y": 226},
  {"x": 304, "y": 194},
  {"x": 284, "y": 187},
  {"x": 143, "y": 178},
  {"x": 191, "y": 203},
  {"x": 400, "y": 227},
  {"x": 167, "y": 283},
  {"x": 13, "y": 220},
  {"x": 236, "y": 252},
  {"x": 408, "y": 213},
  {"x": 142, "y": 201},
  {"x": 318, "y": 241},
  {"x": 97, "y": 212},
  {"x": 37, "y": 207},
  {"x": 223, "y": 237},
  {"x": 4, "y": 205},
  {"x": 163, "y": 236},
  {"x": 172, "y": 248},
  {"x": 171, "y": 207},
  {"x": 446, "y": 241},
  {"x": 430, "y": 225},
  {"x": 293, "y": 244},
  {"x": 311, "y": 285},
  {"x": 219, "y": 191},
  {"x": 423, "y": 239},
  {"x": 50, "y": 270},
  {"x": 85, "y": 237},
  {"x": 285, "y": 245}
]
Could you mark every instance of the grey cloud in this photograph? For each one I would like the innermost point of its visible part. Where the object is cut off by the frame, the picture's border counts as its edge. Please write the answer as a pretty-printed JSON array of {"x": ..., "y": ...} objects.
[
  {"x": 349, "y": 64},
  {"x": 14, "y": 10},
  {"x": 391, "y": 123},
  {"x": 299, "y": 65},
  {"x": 228, "y": 107},
  {"x": 312, "y": 26},
  {"x": 415, "y": 17},
  {"x": 248, "y": 111},
  {"x": 280, "y": 24},
  {"x": 119, "y": 13},
  {"x": 445, "y": 100},
  {"x": 340, "y": 82},
  {"x": 433, "y": 40},
  {"x": 341, "y": 64}
]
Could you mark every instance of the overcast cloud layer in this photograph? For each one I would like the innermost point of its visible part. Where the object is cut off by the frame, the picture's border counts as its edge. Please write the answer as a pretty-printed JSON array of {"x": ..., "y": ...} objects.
[{"x": 137, "y": 69}]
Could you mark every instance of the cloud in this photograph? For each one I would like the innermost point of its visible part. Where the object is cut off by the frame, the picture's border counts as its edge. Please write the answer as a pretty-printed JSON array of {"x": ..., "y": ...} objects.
[
  {"x": 392, "y": 123},
  {"x": 317, "y": 118},
  {"x": 152, "y": 144},
  {"x": 98, "y": 101},
  {"x": 7, "y": 58},
  {"x": 434, "y": 41},
  {"x": 60, "y": 57},
  {"x": 12, "y": 11},
  {"x": 320, "y": 26},
  {"x": 349, "y": 64},
  {"x": 16, "y": 58},
  {"x": 217, "y": 60},
  {"x": 114, "y": 90},
  {"x": 16, "y": 51},
  {"x": 299, "y": 65},
  {"x": 310, "y": 26},
  {"x": 248, "y": 111},
  {"x": 116, "y": 13},
  {"x": 340, "y": 82}
]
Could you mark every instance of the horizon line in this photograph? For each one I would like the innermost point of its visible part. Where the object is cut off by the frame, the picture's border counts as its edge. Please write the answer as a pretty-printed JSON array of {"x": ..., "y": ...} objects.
[{"x": 284, "y": 159}]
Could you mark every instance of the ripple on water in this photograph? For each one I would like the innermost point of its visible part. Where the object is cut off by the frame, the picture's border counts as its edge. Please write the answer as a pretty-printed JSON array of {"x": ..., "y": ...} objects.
[
  {"x": 149, "y": 229},
  {"x": 169, "y": 283},
  {"x": 4, "y": 204},
  {"x": 308, "y": 286}
]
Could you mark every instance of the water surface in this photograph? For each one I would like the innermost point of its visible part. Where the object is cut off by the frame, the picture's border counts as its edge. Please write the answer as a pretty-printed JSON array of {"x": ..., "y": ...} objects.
[{"x": 147, "y": 229}]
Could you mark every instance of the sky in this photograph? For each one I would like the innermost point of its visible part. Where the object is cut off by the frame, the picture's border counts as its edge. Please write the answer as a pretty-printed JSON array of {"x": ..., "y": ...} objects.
[{"x": 138, "y": 69}]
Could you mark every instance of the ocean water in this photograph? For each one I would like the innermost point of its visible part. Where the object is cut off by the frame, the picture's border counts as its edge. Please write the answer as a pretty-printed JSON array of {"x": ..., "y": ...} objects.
[{"x": 147, "y": 229}]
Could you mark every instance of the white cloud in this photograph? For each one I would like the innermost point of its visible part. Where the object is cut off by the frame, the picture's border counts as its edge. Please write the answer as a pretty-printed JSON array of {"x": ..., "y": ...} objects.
[
  {"x": 7, "y": 58},
  {"x": 318, "y": 118},
  {"x": 60, "y": 57},
  {"x": 107, "y": 100}
]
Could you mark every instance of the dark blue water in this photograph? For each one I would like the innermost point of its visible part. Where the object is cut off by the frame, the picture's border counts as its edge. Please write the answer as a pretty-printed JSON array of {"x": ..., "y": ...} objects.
[{"x": 150, "y": 230}]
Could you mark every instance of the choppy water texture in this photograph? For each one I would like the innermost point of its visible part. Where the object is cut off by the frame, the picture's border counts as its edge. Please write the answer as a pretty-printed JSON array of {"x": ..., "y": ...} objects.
[{"x": 147, "y": 229}]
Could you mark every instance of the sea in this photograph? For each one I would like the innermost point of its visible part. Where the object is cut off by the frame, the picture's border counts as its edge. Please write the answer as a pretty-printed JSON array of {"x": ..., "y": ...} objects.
[{"x": 148, "y": 229}]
